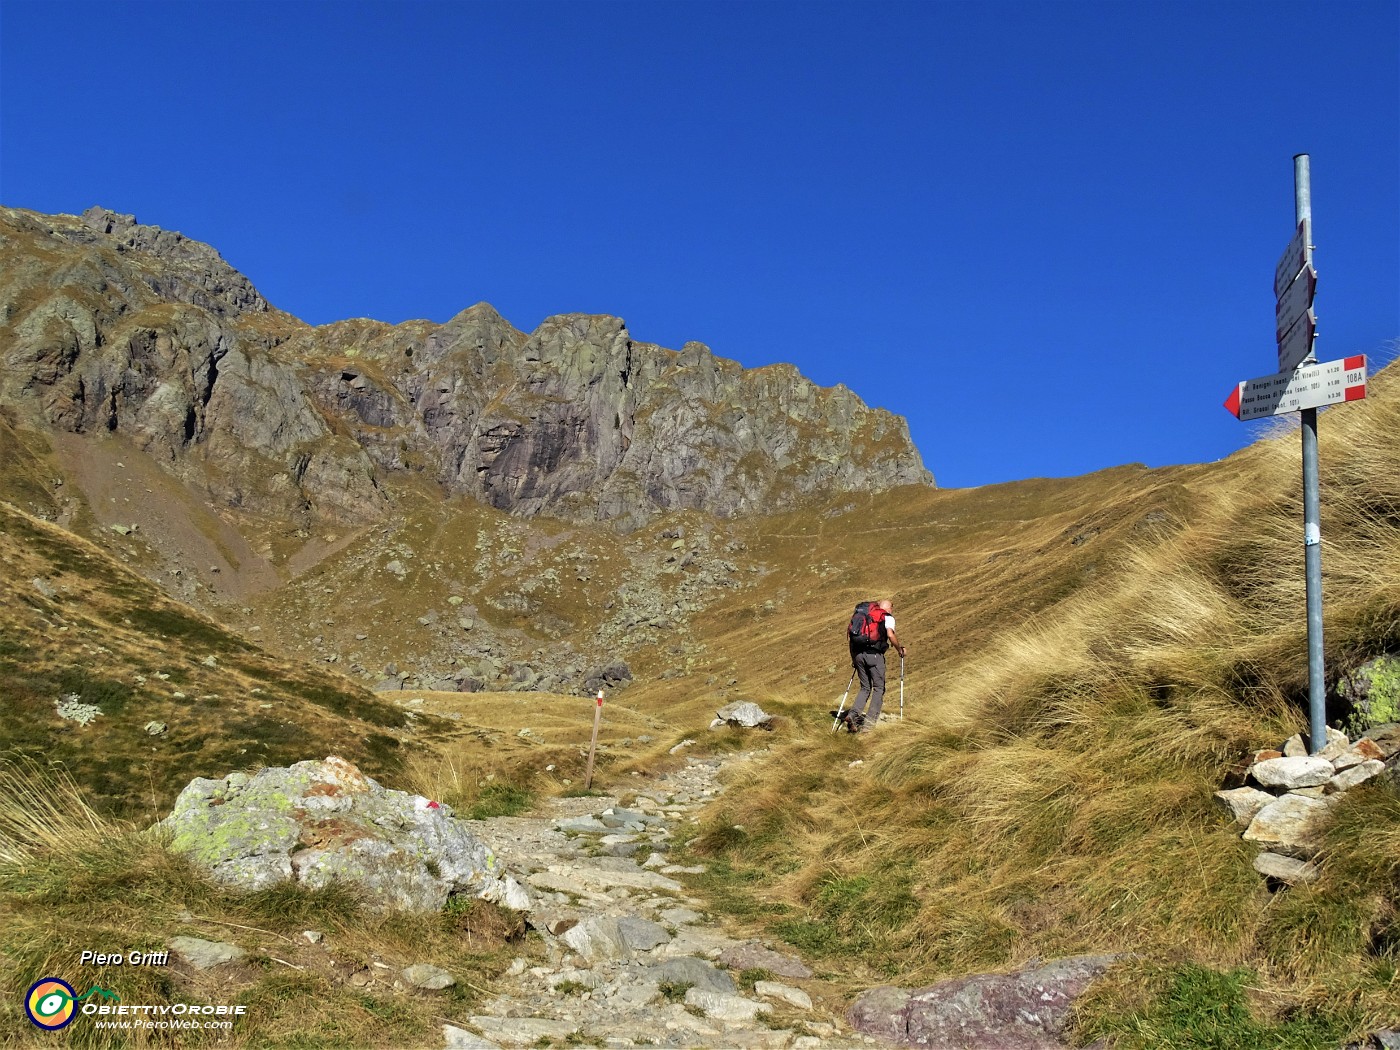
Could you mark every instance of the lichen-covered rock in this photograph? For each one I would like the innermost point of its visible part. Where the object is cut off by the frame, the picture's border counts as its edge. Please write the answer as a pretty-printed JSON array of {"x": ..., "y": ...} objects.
[
  {"x": 1373, "y": 691},
  {"x": 324, "y": 822}
]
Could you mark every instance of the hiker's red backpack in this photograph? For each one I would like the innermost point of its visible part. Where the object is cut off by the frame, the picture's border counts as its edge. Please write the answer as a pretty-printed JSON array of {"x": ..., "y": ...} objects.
[{"x": 867, "y": 630}]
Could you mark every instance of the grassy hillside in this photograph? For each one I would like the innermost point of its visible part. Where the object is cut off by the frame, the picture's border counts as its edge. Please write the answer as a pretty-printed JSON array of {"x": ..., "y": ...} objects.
[
  {"x": 1089, "y": 659},
  {"x": 175, "y": 694},
  {"x": 1071, "y": 708}
]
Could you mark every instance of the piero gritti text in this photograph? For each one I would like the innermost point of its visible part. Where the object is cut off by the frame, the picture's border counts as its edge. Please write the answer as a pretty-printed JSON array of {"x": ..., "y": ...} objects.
[{"x": 129, "y": 959}]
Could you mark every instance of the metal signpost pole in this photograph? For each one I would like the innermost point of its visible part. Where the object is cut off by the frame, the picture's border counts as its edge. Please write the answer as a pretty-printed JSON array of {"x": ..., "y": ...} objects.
[
  {"x": 1312, "y": 523},
  {"x": 1302, "y": 385}
]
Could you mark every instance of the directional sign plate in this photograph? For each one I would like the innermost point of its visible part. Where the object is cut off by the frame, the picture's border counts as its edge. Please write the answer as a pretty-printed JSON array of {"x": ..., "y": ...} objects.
[
  {"x": 1297, "y": 344},
  {"x": 1295, "y": 301},
  {"x": 1295, "y": 257},
  {"x": 1330, "y": 383}
]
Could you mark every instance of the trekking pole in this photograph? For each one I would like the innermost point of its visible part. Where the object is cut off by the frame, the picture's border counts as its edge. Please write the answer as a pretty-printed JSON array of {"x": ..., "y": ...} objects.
[
  {"x": 842, "y": 705},
  {"x": 901, "y": 687}
]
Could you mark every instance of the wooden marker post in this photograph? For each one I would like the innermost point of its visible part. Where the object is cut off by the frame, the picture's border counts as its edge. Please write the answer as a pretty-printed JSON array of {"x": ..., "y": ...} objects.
[{"x": 593, "y": 744}]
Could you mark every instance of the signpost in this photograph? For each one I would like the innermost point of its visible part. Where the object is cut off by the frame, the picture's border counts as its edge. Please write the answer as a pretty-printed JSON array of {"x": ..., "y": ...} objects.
[
  {"x": 1296, "y": 345},
  {"x": 1297, "y": 255},
  {"x": 1303, "y": 386},
  {"x": 1293, "y": 308},
  {"x": 1315, "y": 386}
]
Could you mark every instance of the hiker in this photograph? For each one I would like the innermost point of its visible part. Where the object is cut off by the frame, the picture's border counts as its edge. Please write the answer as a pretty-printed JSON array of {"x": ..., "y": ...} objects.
[{"x": 868, "y": 659}]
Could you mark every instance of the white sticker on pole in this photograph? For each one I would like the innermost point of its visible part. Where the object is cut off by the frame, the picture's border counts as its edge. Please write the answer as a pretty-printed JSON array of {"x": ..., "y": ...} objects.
[{"x": 1312, "y": 535}]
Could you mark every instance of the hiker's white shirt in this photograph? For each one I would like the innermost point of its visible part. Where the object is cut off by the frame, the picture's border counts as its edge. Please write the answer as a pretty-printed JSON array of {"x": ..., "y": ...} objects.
[{"x": 889, "y": 622}]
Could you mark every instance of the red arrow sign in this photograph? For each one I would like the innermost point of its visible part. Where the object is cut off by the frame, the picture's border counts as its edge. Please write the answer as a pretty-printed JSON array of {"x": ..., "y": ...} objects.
[{"x": 1312, "y": 386}]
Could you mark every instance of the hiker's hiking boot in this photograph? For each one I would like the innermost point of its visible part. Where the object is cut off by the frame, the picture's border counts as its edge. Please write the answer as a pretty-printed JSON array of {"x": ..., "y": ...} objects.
[{"x": 855, "y": 722}]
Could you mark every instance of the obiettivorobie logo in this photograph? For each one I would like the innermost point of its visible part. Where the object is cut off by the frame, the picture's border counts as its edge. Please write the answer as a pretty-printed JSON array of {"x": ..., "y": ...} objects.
[{"x": 51, "y": 1002}]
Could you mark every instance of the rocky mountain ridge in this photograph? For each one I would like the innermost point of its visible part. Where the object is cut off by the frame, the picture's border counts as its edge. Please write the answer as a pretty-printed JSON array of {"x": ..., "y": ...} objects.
[{"x": 110, "y": 326}]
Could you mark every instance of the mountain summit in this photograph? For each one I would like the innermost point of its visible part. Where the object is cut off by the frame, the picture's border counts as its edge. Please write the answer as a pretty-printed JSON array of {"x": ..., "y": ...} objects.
[{"x": 107, "y": 325}]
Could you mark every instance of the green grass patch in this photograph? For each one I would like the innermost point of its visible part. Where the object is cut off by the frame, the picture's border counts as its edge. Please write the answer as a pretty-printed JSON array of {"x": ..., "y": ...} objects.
[
  {"x": 866, "y": 914},
  {"x": 750, "y": 977},
  {"x": 674, "y": 991},
  {"x": 1191, "y": 1007},
  {"x": 583, "y": 793},
  {"x": 500, "y": 800}
]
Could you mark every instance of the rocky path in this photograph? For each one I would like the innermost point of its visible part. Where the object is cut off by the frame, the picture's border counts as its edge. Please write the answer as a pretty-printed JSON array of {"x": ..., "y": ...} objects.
[{"x": 631, "y": 960}]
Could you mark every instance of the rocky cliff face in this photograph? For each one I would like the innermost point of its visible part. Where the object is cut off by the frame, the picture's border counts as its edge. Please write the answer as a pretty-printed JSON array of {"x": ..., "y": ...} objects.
[{"x": 107, "y": 325}]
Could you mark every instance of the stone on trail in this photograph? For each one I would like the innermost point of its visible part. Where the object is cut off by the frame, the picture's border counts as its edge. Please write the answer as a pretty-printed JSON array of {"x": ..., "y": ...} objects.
[
  {"x": 788, "y": 994},
  {"x": 319, "y": 823},
  {"x": 428, "y": 977},
  {"x": 205, "y": 955},
  {"x": 583, "y": 825},
  {"x": 524, "y": 1031},
  {"x": 680, "y": 916},
  {"x": 632, "y": 994},
  {"x": 641, "y": 935},
  {"x": 686, "y": 969},
  {"x": 722, "y": 1007},
  {"x": 508, "y": 894},
  {"x": 599, "y": 879},
  {"x": 455, "y": 1038},
  {"x": 753, "y": 956},
  {"x": 597, "y": 939}
]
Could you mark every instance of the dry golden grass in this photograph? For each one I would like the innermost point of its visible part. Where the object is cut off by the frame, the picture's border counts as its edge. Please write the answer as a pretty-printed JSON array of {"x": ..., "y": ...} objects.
[{"x": 1050, "y": 791}]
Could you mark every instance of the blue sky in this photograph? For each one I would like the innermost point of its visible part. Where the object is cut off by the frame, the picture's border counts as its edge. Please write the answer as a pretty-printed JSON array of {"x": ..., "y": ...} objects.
[{"x": 1043, "y": 232}]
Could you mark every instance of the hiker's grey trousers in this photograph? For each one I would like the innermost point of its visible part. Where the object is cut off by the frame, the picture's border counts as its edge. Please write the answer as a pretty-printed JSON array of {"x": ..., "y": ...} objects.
[{"x": 870, "y": 669}]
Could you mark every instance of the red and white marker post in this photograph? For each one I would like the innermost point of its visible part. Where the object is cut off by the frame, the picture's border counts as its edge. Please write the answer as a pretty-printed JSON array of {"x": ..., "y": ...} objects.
[{"x": 593, "y": 744}]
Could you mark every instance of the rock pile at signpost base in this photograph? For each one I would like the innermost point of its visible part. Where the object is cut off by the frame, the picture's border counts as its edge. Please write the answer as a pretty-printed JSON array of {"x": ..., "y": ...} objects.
[{"x": 1287, "y": 802}]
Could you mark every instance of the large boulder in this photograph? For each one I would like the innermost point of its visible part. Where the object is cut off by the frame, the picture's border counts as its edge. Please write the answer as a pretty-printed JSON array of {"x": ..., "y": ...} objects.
[
  {"x": 1026, "y": 1009},
  {"x": 318, "y": 823}
]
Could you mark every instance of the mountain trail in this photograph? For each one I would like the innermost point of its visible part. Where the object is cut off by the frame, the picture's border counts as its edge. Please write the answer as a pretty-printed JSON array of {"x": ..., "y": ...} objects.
[{"x": 632, "y": 960}]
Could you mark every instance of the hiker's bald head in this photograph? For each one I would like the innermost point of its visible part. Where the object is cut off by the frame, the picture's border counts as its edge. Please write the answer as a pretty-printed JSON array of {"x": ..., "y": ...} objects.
[{"x": 887, "y": 605}]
